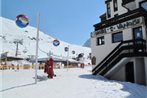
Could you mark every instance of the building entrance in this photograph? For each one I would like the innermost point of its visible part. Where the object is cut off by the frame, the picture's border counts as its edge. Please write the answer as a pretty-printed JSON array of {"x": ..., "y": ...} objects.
[{"x": 130, "y": 72}]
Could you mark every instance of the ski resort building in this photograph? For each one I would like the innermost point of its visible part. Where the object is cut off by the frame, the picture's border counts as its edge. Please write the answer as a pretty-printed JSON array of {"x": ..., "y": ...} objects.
[{"x": 119, "y": 42}]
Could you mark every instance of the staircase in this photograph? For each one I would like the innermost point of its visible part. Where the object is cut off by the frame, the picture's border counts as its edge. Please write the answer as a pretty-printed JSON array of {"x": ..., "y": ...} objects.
[{"x": 126, "y": 49}]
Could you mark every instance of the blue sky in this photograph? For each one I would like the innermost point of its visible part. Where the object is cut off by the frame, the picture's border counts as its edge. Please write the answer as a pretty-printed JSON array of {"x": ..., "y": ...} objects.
[{"x": 68, "y": 20}]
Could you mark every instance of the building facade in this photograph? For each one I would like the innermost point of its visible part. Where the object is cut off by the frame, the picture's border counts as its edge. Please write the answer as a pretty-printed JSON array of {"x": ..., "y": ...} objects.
[{"x": 118, "y": 42}]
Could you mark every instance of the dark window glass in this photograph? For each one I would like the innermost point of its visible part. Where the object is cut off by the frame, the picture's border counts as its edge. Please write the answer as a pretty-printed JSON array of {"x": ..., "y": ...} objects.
[
  {"x": 117, "y": 37},
  {"x": 137, "y": 33},
  {"x": 108, "y": 10},
  {"x": 100, "y": 40},
  {"x": 115, "y": 5}
]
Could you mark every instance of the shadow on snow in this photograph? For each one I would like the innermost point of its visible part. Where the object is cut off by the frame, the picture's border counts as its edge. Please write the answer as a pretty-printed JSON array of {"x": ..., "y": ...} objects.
[
  {"x": 39, "y": 79},
  {"x": 134, "y": 90},
  {"x": 17, "y": 87}
]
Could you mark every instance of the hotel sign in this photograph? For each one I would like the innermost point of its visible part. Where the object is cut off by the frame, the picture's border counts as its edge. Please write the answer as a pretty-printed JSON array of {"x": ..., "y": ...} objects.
[{"x": 120, "y": 26}]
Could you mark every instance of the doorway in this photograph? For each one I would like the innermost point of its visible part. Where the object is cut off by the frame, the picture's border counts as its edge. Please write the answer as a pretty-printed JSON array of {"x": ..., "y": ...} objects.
[{"x": 129, "y": 68}]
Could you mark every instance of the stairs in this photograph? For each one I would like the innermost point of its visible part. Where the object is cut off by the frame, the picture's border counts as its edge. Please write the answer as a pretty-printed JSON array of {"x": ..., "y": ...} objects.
[
  {"x": 120, "y": 55},
  {"x": 119, "y": 65}
]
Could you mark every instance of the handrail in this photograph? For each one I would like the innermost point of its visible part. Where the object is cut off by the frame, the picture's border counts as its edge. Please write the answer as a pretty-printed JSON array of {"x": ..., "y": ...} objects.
[
  {"x": 119, "y": 58},
  {"x": 129, "y": 45},
  {"x": 108, "y": 55},
  {"x": 113, "y": 51}
]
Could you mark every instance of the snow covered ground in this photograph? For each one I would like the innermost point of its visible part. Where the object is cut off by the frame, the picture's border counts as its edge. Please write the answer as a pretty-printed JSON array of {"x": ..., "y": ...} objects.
[{"x": 69, "y": 83}]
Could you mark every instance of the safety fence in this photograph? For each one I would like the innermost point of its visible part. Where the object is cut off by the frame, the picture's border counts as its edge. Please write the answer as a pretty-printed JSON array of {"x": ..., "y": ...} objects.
[
  {"x": 4, "y": 67},
  {"x": 40, "y": 66}
]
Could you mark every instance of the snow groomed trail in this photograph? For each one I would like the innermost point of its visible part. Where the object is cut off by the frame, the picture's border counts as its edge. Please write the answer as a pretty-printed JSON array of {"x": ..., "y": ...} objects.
[{"x": 69, "y": 83}]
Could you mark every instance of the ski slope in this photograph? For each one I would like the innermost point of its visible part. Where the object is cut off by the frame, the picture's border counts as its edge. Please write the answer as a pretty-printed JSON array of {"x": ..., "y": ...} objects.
[
  {"x": 69, "y": 83},
  {"x": 10, "y": 34}
]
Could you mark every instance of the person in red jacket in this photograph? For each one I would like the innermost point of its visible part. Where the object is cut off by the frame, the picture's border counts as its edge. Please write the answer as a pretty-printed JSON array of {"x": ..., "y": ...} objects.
[{"x": 49, "y": 68}]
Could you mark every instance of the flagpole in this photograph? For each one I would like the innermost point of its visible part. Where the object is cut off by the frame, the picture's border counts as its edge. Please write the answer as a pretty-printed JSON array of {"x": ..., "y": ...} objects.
[{"x": 37, "y": 41}]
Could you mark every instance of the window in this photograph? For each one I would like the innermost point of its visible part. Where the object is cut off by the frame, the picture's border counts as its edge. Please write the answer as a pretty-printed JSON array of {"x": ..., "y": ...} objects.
[
  {"x": 115, "y": 5},
  {"x": 117, "y": 37},
  {"x": 137, "y": 33},
  {"x": 108, "y": 10},
  {"x": 100, "y": 40}
]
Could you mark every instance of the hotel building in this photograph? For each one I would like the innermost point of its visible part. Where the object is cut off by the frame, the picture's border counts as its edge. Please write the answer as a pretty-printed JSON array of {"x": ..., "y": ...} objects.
[{"x": 119, "y": 42}]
